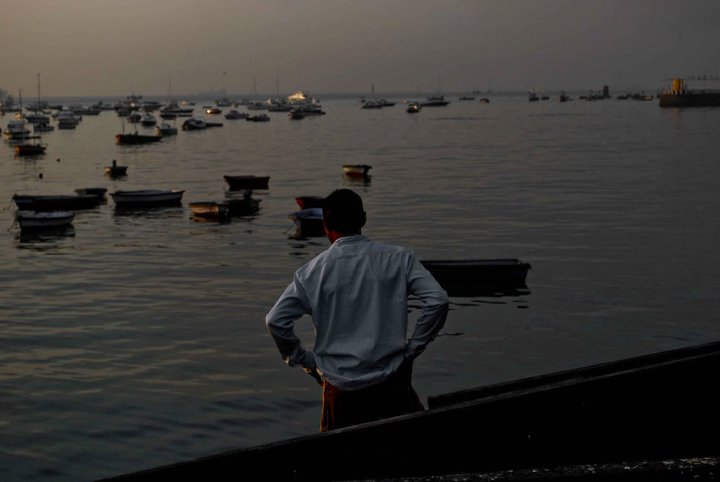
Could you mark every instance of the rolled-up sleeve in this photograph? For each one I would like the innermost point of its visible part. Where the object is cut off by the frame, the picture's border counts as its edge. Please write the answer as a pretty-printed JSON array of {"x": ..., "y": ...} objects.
[
  {"x": 434, "y": 302},
  {"x": 280, "y": 321}
]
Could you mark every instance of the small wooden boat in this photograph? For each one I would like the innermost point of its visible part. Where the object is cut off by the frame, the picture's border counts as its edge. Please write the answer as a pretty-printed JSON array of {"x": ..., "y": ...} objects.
[
  {"x": 308, "y": 222},
  {"x": 244, "y": 183},
  {"x": 147, "y": 197},
  {"x": 135, "y": 139},
  {"x": 210, "y": 210},
  {"x": 650, "y": 408},
  {"x": 473, "y": 277},
  {"x": 36, "y": 220},
  {"x": 356, "y": 170},
  {"x": 57, "y": 202}
]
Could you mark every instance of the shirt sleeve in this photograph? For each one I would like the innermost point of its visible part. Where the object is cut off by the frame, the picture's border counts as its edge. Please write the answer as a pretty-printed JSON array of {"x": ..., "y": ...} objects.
[
  {"x": 434, "y": 302},
  {"x": 280, "y": 321}
]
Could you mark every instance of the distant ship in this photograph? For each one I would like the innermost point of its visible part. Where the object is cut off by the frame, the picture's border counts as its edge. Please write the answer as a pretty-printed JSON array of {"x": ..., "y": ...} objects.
[{"x": 680, "y": 96}]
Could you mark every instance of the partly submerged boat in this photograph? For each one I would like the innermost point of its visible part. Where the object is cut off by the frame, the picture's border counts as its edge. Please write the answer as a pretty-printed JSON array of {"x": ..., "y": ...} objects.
[
  {"x": 44, "y": 219},
  {"x": 244, "y": 205},
  {"x": 680, "y": 95},
  {"x": 147, "y": 197},
  {"x": 248, "y": 182},
  {"x": 643, "y": 416}
]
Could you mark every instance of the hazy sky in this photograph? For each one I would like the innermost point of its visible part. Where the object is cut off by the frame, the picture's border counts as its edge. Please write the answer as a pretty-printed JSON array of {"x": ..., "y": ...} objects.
[{"x": 118, "y": 47}]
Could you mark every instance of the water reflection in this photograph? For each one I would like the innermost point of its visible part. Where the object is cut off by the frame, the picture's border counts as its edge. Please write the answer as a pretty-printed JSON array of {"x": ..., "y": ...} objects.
[{"x": 41, "y": 239}]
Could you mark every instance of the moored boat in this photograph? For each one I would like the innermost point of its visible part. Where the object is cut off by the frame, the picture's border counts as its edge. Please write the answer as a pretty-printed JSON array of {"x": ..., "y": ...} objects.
[
  {"x": 115, "y": 171},
  {"x": 308, "y": 222},
  {"x": 44, "y": 219},
  {"x": 248, "y": 182},
  {"x": 26, "y": 149},
  {"x": 244, "y": 205},
  {"x": 210, "y": 210},
  {"x": 93, "y": 191},
  {"x": 356, "y": 170},
  {"x": 165, "y": 129},
  {"x": 147, "y": 197},
  {"x": 136, "y": 138},
  {"x": 414, "y": 108},
  {"x": 55, "y": 202},
  {"x": 473, "y": 277}
]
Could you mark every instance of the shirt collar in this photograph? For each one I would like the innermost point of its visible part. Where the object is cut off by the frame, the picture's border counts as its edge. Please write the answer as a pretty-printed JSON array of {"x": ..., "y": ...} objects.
[{"x": 357, "y": 238}]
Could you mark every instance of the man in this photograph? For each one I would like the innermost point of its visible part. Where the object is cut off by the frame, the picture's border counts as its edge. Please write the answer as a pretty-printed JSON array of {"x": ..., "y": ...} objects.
[{"x": 357, "y": 292}]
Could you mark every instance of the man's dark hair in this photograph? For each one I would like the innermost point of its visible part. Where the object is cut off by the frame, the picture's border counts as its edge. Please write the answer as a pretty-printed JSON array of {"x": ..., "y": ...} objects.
[{"x": 343, "y": 211}]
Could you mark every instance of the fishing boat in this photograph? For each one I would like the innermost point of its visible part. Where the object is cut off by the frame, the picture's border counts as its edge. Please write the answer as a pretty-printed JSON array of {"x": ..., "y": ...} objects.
[
  {"x": 680, "y": 95},
  {"x": 249, "y": 182},
  {"x": 641, "y": 415},
  {"x": 474, "y": 277},
  {"x": 147, "y": 197},
  {"x": 44, "y": 219},
  {"x": 55, "y": 202},
  {"x": 135, "y": 138},
  {"x": 356, "y": 170}
]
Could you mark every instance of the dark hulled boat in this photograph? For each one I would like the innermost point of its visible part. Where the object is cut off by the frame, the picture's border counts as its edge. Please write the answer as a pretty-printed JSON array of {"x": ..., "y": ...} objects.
[
  {"x": 135, "y": 138},
  {"x": 236, "y": 183},
  {"x": 474, "y": 277}
]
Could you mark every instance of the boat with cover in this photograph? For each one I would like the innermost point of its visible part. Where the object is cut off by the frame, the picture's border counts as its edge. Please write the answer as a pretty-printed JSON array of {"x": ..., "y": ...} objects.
[
  {"x": 147, "y": 197},
  {"x": 642, "y": 415},
  {"x": 248, "y": 182},
  {"x": 44, "y": 219}
]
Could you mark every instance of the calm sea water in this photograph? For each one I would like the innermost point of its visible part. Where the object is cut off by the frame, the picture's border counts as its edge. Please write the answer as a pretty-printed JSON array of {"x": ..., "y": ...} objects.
[{"x": 137, "y": 340}]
